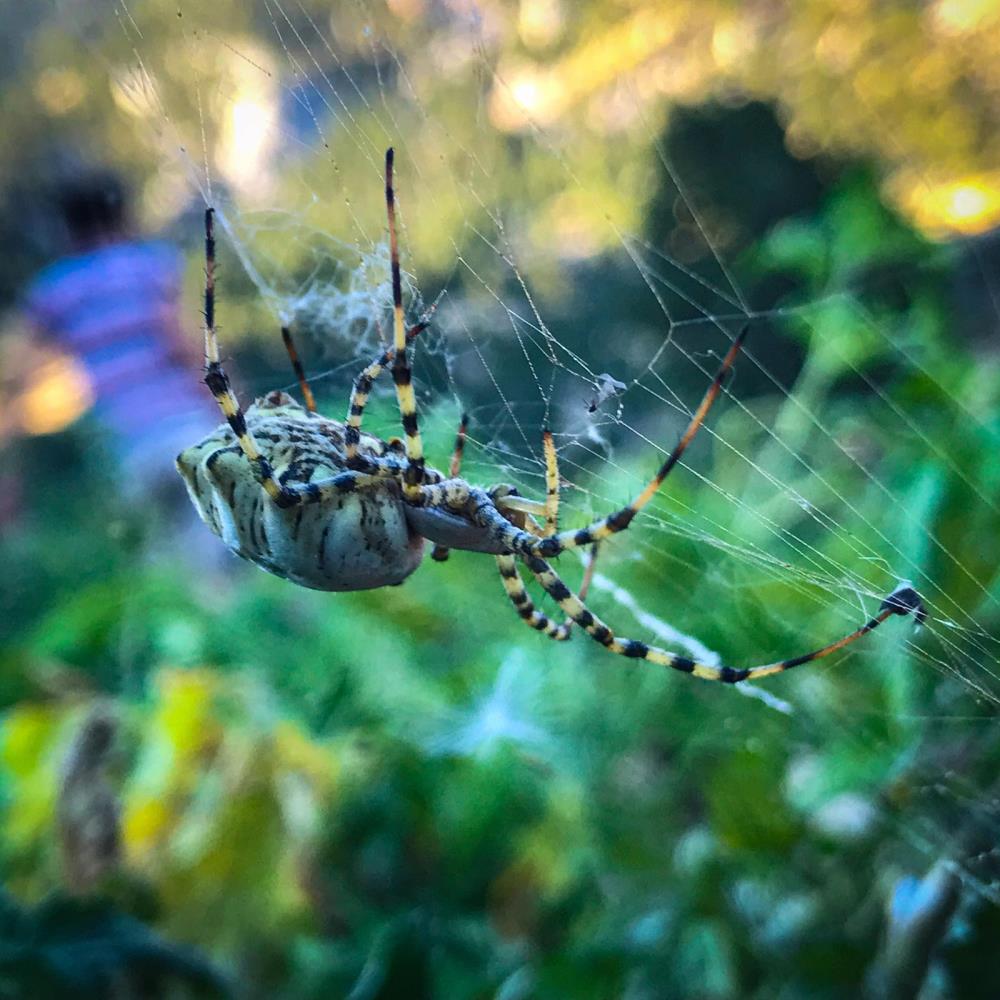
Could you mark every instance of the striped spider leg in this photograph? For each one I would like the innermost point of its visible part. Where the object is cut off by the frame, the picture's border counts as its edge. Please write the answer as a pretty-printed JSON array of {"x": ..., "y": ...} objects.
[
  {"x": 360, "y": 391},
  {"x": 456, "y": 493},
  {"x": 218, "y": 383},
  {"x": 401, "y": 373},
  {"x": 903, "y": 601},
  {"x": 510, "y": 575},
  {"x": 521, "y": 511},
  {"x": 396, "y": 354},
  {"x": 535, "y": 550}
]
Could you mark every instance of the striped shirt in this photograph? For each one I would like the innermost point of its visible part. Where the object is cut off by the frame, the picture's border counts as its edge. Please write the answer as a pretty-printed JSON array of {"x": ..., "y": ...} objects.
[{"x": 117, "y": 309}]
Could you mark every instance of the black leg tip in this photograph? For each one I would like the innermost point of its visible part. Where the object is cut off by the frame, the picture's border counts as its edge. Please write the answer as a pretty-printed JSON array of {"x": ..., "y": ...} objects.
[{"x": 904, "y": 601}]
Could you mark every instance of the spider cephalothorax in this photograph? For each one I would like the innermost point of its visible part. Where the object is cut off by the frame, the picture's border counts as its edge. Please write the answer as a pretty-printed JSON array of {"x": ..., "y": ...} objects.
[{"x": 327, "y": 506}]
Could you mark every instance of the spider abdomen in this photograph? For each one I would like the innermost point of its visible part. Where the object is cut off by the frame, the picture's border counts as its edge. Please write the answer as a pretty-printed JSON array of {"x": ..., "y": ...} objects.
[
  {"x": 350, "y": 541},
  {"x": 357, "y": 541}
]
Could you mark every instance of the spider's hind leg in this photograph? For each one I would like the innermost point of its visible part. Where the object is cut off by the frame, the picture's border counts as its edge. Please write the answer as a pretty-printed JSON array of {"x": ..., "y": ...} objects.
[
  {"x": 513, "y": 582},
  {"x": 903, "y": 601}
]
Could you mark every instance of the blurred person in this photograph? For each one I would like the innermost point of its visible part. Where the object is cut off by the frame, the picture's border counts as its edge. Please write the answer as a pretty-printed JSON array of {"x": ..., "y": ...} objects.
[{"x": 113, "y": 304}]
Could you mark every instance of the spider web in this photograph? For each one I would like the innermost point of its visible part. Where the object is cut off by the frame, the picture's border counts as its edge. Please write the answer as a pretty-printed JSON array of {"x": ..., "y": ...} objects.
[{"x": 783, "y": 510}]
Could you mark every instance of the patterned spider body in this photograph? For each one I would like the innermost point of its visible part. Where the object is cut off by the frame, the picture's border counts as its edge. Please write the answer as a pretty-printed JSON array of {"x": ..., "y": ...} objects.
[
  {"x": 349, "y": 540},
  {"x": 327, "y": 506},
  {"x": 346, "y": 541}
]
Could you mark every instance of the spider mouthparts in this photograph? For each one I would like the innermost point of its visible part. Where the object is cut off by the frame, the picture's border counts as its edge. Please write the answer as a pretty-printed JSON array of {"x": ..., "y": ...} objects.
[{"x": 904, "y": 601}]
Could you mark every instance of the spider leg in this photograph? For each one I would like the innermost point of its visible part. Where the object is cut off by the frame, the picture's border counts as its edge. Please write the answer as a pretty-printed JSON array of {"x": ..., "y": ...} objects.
[
  {"x": 477, "y": 504},
  {"x": 485, "y": 511},
  {"x": 218, "y": 383},
  {"x": 293, "y": 356},
  {"x": 455, "y": 465},
  {"x": 524, "y": 505},
  {"x": 483, "y": 507},
  {"x": 508, "y": 500},
  {"x": 551, "y": 483},
  {"x": 440, "y": 552},
  {"x": 360, "y": 392},
  {"x": 456, "y": 494},
  {"x": 588, "y": 573},
  {"x": 513, "y": 583},
  {"x": 511, "y": 576},
  {"x": 299, "y": 494},
  {"x": 401, "y": 373},
  {"x": 621, "y": 519},
  {"x": 903, "y": 601},
  {"x": 552, "y": 513}
]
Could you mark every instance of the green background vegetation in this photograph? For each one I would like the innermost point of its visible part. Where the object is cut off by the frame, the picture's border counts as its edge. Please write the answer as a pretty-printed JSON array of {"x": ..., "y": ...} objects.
[{"x": 406, "y": 793}]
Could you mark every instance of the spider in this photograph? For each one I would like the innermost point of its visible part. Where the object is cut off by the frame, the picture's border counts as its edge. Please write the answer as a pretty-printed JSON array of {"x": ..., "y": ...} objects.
[{"x": 328, "y": 506}]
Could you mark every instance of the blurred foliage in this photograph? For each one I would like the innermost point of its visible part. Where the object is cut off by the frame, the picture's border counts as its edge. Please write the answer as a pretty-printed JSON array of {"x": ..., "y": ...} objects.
[
  {"x": 404, "y": 793},
  {"x": 909, "y": 86},
  {"x": 67, "y": 948},
  {"x": 337, "y": 807}
]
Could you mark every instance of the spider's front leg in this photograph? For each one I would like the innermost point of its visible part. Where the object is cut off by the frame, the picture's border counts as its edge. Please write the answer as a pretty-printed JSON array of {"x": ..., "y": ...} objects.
[
  {"x": 401, "y": 373},
  {"x": 515, "y": 539},
  {"x": 621, "y": 519},
  {"x": 218, "y": 383},
  {"x": 360, "y": 392}
]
